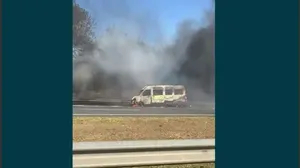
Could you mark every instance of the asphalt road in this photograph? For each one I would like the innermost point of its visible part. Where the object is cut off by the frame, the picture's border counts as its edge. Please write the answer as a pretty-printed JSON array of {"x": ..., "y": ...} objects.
[{"x": 82, "y": 110}]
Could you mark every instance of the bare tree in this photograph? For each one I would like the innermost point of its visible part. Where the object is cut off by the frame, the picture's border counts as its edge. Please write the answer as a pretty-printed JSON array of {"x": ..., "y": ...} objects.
[{"x": 83, "y": 25}]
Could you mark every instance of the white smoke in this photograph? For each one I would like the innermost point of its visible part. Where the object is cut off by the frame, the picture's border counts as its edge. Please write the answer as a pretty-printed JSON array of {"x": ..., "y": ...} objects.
[{"x": 123, "y": 60}]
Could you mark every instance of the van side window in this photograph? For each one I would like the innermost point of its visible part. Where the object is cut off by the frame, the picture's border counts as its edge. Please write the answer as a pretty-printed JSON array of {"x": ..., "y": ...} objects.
[
  {"x": 157, "y": 91},
  {"x": 178, "y": 91},
  {"x": 169, "y": 91},
  {"x": 147, "y": 93}
]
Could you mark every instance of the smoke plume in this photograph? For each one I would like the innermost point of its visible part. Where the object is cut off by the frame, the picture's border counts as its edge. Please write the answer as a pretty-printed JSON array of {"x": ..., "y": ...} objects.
[{"x": 122, "y": 60}]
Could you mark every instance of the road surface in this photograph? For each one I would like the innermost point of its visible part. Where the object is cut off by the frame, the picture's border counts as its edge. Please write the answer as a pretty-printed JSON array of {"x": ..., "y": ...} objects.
[{"x": 83, "y": 110}]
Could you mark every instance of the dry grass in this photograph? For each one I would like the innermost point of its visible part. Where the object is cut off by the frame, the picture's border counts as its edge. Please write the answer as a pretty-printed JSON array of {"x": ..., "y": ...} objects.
[{"x": 138, "y": 128}]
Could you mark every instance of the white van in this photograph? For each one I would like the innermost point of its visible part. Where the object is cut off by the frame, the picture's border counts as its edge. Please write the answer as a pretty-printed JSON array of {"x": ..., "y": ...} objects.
[{"x": 161, "y": 94}]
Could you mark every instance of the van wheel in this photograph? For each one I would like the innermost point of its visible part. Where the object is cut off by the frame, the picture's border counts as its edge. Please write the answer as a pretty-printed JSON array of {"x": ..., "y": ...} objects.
[
  {"x": 141, "y": 104},
  {"x": 133, "y": 102}
]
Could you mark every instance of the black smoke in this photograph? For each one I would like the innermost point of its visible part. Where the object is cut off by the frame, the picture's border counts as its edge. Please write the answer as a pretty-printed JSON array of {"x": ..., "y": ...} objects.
[{"x": 198, "y": 69}]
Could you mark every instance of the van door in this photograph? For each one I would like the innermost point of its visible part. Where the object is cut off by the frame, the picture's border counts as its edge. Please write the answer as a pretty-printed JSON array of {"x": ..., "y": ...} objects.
[
  {"x": 169, "y": 94},
  {"x": 158, "y": 96},
  {"x": 146, "y": 96},
  {"x": 179, "y": 94}
]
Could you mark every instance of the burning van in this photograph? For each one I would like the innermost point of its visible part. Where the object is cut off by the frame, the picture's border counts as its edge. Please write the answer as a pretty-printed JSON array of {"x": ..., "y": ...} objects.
[{"x": 168, "y": 95}]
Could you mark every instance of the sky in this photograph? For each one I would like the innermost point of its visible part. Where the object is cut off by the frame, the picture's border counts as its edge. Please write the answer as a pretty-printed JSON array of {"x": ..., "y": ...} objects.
[{"x": 168, "y": 13}]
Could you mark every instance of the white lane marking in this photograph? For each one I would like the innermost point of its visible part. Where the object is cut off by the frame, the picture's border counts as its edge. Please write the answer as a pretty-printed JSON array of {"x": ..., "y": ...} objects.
[
  {"x": 87, "y": 106},
  {"x": 108, "y": 109},
  {"x": 203, "y": 115}
]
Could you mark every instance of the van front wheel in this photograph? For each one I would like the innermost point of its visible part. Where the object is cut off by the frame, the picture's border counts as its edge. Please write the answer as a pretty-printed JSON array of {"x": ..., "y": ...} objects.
[{"x": 141, "y": 104}]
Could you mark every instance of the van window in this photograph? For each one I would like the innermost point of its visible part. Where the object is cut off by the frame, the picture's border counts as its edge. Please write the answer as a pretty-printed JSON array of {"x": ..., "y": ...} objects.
[
  {"x": 178, "y": 91},
  {"x": 147, "y": 93},
  {"x": 157, "y": 91},
  {"x": 169, "y": 91}
]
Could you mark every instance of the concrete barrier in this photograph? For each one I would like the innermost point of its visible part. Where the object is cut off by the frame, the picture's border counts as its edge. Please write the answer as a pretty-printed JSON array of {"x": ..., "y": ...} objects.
[{"x": 142, "y": 153}]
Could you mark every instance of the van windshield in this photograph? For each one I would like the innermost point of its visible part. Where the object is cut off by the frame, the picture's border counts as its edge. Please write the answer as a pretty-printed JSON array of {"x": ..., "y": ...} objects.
[{"x": 140, "y": 91}]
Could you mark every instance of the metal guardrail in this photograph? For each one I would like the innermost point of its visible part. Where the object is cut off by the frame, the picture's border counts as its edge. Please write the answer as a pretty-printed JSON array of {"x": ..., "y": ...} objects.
[{"x": 142, "y": 153}]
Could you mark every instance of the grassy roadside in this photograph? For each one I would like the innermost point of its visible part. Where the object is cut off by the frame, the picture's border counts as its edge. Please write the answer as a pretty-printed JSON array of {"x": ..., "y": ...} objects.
[{"x": 142, "y": 128}]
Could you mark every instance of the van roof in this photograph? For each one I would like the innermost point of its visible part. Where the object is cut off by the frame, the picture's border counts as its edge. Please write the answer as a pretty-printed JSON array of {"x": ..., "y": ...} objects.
[{"x": 160, "y": 85}]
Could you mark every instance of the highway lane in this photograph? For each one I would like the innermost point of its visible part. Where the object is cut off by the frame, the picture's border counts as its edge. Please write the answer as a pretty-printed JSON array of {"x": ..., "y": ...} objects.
[{"x": 138, "y": 111}]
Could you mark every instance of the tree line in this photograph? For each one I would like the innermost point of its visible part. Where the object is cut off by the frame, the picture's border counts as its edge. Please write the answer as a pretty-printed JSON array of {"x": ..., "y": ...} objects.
[{"x": 83, "y": 24}]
